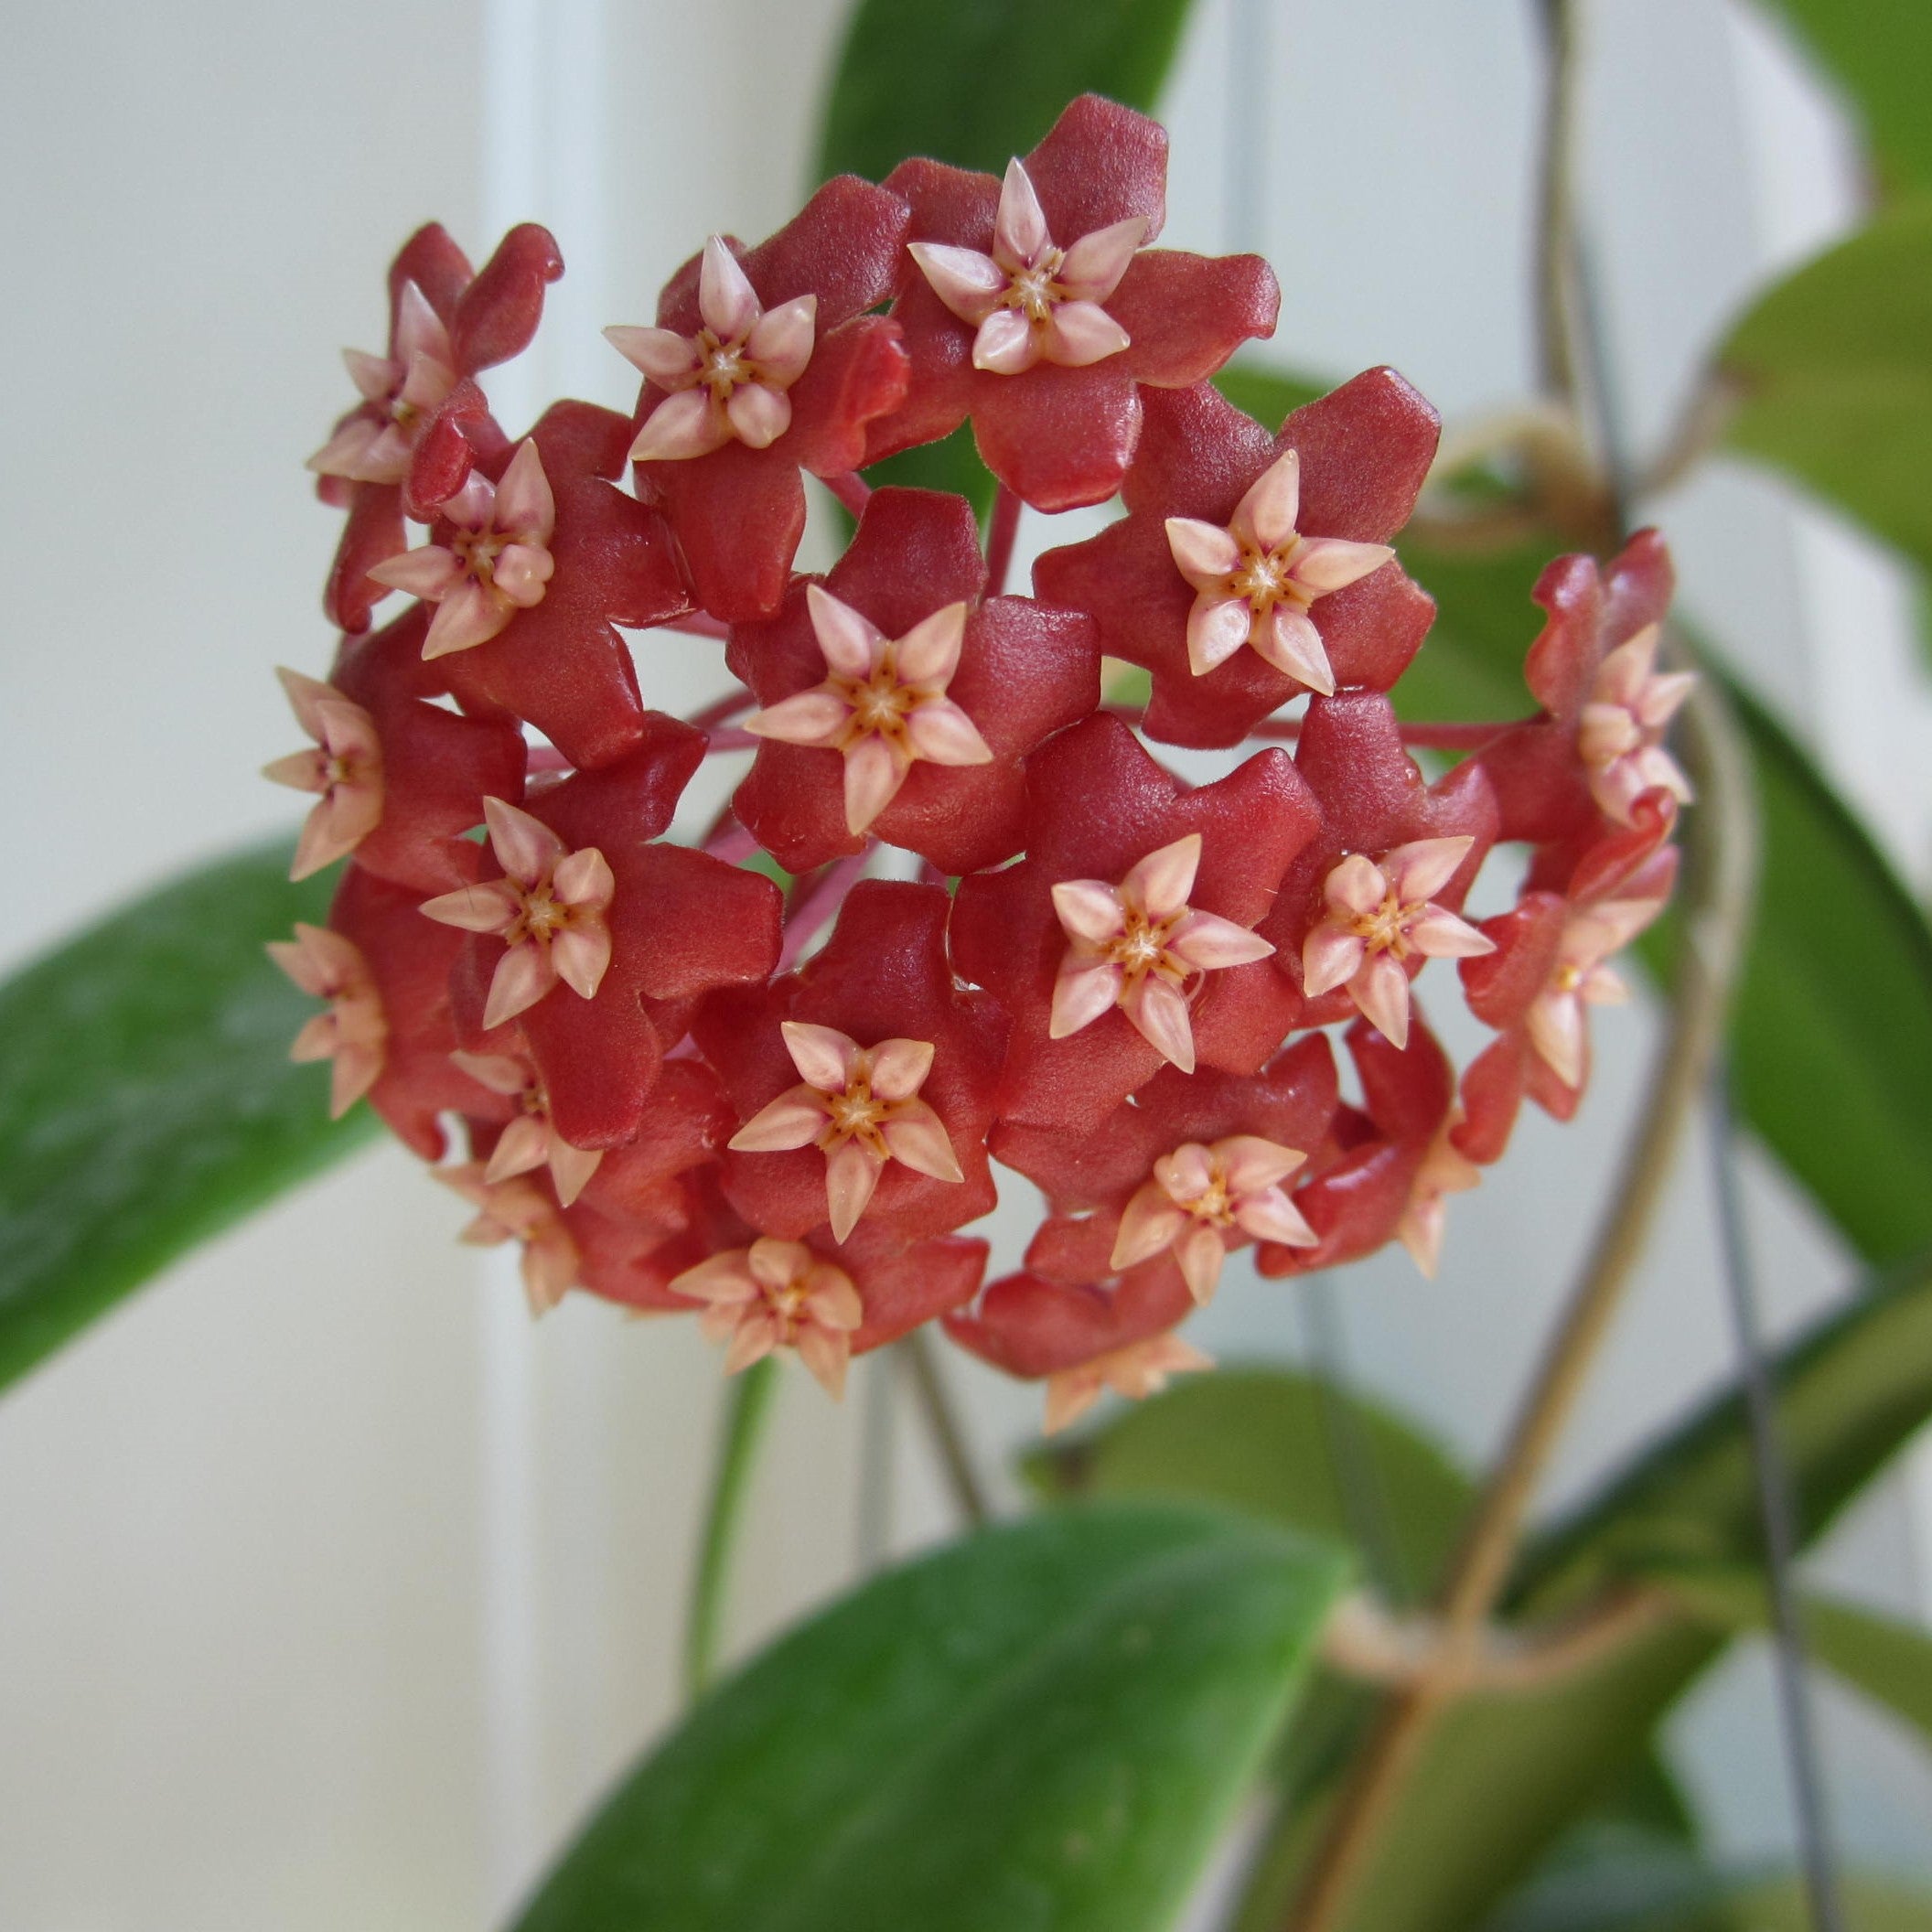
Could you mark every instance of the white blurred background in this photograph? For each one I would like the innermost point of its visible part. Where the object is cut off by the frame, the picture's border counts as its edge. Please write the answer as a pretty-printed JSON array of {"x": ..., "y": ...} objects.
[{"x": 331, "y": 1591}]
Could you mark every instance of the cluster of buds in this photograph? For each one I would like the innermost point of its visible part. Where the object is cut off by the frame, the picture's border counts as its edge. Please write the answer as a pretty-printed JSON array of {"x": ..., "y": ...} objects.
[{"x": 1007, "y": 933}]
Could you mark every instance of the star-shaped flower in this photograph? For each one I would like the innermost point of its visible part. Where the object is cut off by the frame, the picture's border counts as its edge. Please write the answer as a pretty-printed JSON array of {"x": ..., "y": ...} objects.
[
  {"x": 400, "y": 392},
  {"x": 1030, "y": 300},
  {"x": 1033, "y": 307},
  {"x": 1137, "y": 1371},
  {"x": 883, "y": 705},
  {"x": 519, "y": 1210},
  {"x": 1138, "y": 945},
  {"x": 1198, "y": 1193},
  {"x": 1381, "y": 916},
  {"x": 496, "y": 560},
  {"x": 548, "y": 908},
  {"x": 730, "y": 380},
  {"x": 860, "y": 1107},
  {"x": 353, "y": 1033},
  {"x": 1255, "y": 580},
  {"x": 1253, "y": 568},
  {"x": 777, "y": 1295},
  {"x": 1022, "y": 673},
  {"x": 530, "y": 1139},
  {"x": 346, "y": 768},
  {"x": 1620, "y": 735},
  {"x": 766, "y": 361}
]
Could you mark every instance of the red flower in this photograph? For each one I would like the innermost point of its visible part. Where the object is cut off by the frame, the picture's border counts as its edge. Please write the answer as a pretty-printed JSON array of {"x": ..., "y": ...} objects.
[
  {"x": 547, "y": 650},
  {"x": 408, "y": 444},
  {"x": 661, "y": 925},
  {"x": 1030, "y": 308},
  {"x": 1546, "y": 785},
  {"x": 882, "y": 983},
  {"x": 1376, "y": 812},
  {"x": 845, "y": 721},
  {"x": 764, "y": 363},
  {"x": 1251, "y": 569},
  {"x": 1098, "y": 810}
]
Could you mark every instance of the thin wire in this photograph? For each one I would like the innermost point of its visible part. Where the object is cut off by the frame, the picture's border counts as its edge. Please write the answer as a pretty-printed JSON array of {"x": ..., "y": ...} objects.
[{"x": 1817, "y": 1854}]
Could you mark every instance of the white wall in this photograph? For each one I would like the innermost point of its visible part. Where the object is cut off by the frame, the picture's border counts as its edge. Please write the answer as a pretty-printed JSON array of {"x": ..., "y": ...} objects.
[{"x": 332, "y": 1591}]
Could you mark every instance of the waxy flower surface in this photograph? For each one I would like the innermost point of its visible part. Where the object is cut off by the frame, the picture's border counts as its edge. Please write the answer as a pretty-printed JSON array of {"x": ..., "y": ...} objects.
[{"x": 738, "y": 1019}]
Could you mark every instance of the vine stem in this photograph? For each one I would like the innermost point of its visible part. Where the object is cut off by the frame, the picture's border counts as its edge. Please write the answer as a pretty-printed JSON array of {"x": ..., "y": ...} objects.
[
  {"x": 922, "y": 1369},
  {"x": 1720, "y": 851},
  {"x": 748, "y": 1405},
  {"x": 1001, "y": 530}
]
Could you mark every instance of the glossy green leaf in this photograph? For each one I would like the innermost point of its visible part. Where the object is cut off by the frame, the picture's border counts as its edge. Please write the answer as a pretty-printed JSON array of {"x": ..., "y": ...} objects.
[
  {"x": 1830, "y": 1042},
  {"x": 1833, "y": 372},
  {"x": 1889, "y": 1660},
  {"x": 1279, "y": 1444},
  {"x": 978, "y": 81},
  {"x": 147, "y": 1097},
  {"x": 1880, "y": 53},
  {"x": 1044, "y": 1726},
  {"x": 975, "y": 82}
]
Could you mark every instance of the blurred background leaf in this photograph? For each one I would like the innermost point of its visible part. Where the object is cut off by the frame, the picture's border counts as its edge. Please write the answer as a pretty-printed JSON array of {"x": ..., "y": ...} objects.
[{"x": 146, "y": 1095}]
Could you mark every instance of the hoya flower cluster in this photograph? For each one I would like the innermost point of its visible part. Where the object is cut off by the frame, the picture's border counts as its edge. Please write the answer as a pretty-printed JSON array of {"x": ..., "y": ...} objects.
[{"x": 683, "y": 1087}]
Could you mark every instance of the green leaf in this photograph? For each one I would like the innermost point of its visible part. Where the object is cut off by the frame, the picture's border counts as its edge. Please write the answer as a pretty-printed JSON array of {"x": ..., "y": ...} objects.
[
  {"x": 1833, "y": 368},
  {"x": 1270, "y": 395},
  {"x": 147, "y": 1097},
  {"x": 1830, "y": 1041},
  {"x": 1274, "y": 1442},
  {"x": 1880, "y": 52},
  {"x": 1889, "y": 1660},
  {"x": 974, "y": 83},
  {"x": 978, "y": 81},
  {"x": 1044, "y": 1726}
]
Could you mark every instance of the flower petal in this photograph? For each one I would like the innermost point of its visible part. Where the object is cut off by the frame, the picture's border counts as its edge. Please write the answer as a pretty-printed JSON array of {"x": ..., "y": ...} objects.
[
  {"x": 1217, "y": 628},
  {"x": 684, "y": 425},
  {"x": 522, "y": 572},
  {"x": 1205, "y": 554},
  {"x": 826, "y": 1353},
  {"x": 940, "y": 733},
  {"x": 967, "y": 281},
  {"x": 1160, "y": 883},
  {"x": 1253, "y": 1165},
  {"x": 1419, "y": 870},
  {"x": 1006, "y": 344},
  {"x": 1558, "y": 1031},
  {"x": 1200, "y": 1251},
  {"x": 1271, "y": 1216},
  {"x": 814, "y": 717},
  {"x": 582, "y": 879},
  {"x": 428, "y": 572},
  {"x": 490, "y": 907},
  {"x": 1355, "y": 885},
  {"x": 1078, "y": 334},
  {"x": 1081, "y": 997},
  {"x": 523, "y": 1144},
  {"x": 1290, "y": 641},
  {"x": 1148, "y": 1224},
  {"x": 526, "y": 848},
  {"x": 918, "y": 1137},
  {"x": 852, "y": 1173},
  {"x": 524, "y": 975},
  {"x": 1266, "y": 513},
  {"x": 874, "y": 773},
  {"x": 1381, "y": 991},
  {"x": 1160, "y": 1014},
  {"x": 1089, "y": 909},
  {"x": 1019, "y": 229},
  {"x": 466, "y": 616},
  {"x": 930, "y": 652},
  {"x": 571, "y": 1168},
  {"x": 826, "y": 1057},
  {"x": 1440, "y": 935},
  {"x": 1325, "y": 563},
  {"x": 525, "y": 505},
  {"x": 1092, "y": 267},
  {"x": 795, "y": 1118},
  {"x": 781, "y": 341},
  {"x": 758, "y": 414},
  {"x": 580, "y": 955},
  {"x": 1207, "y": 940},
  {"x": 725, "y": 298},
  {"x": 899, "y": 1068},
  {"x": 850, "y": 641},
  {"x": 664, "y": 356}
]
